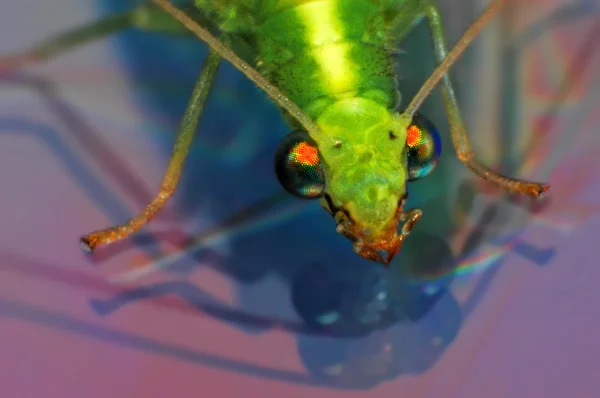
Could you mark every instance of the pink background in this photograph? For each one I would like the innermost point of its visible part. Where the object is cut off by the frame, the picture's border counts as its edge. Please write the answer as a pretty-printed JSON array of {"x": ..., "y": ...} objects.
[{"x": 86, "y": 152}]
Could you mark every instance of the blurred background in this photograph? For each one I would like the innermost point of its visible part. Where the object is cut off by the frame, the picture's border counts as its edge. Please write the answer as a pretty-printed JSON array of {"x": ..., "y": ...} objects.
[{"x": 237, "y": 289}]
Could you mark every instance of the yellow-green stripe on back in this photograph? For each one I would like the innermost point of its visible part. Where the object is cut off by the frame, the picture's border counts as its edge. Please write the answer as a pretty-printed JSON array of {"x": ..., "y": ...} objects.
[
  {"x": 321, "y": 51},
  {"x": 316, "y": 51},
  {"x": 324, "y": 31}
]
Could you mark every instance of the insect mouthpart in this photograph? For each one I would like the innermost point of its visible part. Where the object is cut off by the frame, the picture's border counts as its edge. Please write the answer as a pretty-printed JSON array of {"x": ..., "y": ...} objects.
[
  {"x": 379, "y": 246},
  {"x": 382, "y": 245}
]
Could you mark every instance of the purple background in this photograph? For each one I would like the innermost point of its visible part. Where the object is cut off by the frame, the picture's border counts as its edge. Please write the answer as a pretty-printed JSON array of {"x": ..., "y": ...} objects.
[{"x": 84, "y": 140}]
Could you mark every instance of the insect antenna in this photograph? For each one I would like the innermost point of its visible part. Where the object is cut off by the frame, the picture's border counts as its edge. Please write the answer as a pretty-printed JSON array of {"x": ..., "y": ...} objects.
[
  {"x": 251, "y": 73},
  {"x": 453, "y": 55}
]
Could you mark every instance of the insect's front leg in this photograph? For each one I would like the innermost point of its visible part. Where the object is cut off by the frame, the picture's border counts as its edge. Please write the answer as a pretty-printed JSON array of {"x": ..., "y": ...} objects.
[
  {"x": 145, "y": 17},
  {"x": 409, "y": 218},
  {"x": 171, "y": 178},
  {"x": 458, "y": 131}
]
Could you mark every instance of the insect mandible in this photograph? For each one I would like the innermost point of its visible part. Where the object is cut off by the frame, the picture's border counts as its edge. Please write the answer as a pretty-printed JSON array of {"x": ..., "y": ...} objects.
[{"x": 328, "y": 65}]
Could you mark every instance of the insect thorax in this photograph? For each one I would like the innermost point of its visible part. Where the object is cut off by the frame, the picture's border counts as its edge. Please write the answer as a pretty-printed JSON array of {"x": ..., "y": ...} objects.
[{"x": 318, "y": 52}]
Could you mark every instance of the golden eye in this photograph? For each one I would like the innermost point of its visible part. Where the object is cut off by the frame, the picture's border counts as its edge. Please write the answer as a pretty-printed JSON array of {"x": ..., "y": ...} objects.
[
  {"x": 423, "y": 146},
  {"x": 298, "y": 166}
]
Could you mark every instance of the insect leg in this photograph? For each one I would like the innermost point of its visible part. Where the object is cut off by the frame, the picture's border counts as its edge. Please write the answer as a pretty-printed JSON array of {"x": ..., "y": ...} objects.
[
  {"x": 458, "y": 132},
  {"x": 147, "y": 17},
  {"x": 171, "y": 177},
  {"x": 410, "y": 219}
]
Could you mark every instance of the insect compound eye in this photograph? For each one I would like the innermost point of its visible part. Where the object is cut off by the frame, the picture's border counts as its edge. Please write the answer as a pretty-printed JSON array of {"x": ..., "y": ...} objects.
[
  {"x": 298, "y": 166},
  {"x": 423, "y": 146}
]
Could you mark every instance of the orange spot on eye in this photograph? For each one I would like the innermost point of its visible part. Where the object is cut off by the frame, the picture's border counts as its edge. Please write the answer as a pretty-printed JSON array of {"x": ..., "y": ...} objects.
[
  {"x": 413, "y": 135},
  {"x": 306, "y": 154}
]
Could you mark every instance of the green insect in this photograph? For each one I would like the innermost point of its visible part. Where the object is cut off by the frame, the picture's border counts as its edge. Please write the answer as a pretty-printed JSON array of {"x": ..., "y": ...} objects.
[{"x": 328, "y": 64}]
